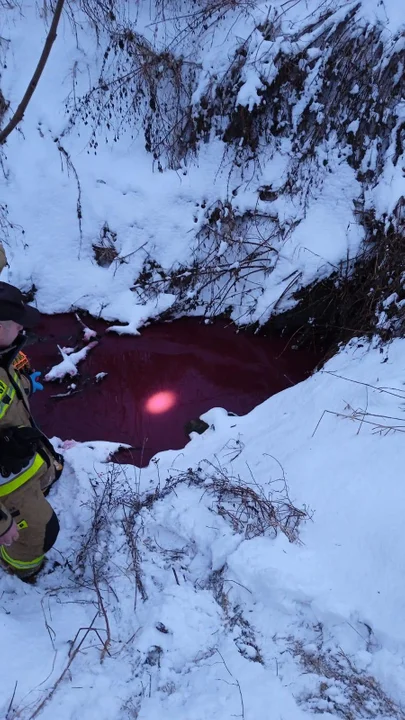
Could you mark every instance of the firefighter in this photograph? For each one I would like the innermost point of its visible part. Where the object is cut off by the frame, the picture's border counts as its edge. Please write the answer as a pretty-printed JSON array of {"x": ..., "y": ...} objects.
[{"x": 29, "y": 464}]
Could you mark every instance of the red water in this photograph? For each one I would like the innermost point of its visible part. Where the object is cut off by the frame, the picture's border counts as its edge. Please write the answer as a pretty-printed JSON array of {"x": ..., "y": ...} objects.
[{"x": 157, "y": 381}]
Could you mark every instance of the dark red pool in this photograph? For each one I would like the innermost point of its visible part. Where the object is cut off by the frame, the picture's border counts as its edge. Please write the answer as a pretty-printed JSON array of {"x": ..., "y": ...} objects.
[{"x": 199, "y": 367}]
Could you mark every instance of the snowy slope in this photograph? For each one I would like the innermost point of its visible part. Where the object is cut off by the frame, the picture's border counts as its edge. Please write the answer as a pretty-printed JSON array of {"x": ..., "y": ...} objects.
[
  {"x": 223, "y": 618},
  {"x": 52, "y": 168}
]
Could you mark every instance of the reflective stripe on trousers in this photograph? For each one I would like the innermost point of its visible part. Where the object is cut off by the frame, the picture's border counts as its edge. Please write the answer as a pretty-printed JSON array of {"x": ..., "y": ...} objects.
[
  {"x": 13, "y": 482},
  {"x": 18, "y": 564}
]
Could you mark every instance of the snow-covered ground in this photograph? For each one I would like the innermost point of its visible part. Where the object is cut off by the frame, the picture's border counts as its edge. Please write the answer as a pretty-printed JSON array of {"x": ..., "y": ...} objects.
[
  {"x": 175, "y": 606},
  {"x": 224, "y": 623}
]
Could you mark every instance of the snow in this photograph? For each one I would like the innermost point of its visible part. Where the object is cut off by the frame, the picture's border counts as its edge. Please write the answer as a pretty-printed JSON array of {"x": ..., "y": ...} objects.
[
  {"x": 223, "y": 620},
  {"x": 119, "y": 187},
  {"x": 345, "y": 577},
  {"x": 388, "y": 12},
  {"x": 68, "y": 366},
  {"x": 248, "y": 94}
]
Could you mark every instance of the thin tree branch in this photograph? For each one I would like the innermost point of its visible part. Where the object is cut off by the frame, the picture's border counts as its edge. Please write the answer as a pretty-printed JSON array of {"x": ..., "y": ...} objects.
[{"x": 19, "y": 113}]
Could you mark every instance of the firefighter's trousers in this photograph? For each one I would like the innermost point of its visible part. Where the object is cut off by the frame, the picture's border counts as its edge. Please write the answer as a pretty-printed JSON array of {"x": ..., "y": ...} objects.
[{"x": 37, "y": 523}]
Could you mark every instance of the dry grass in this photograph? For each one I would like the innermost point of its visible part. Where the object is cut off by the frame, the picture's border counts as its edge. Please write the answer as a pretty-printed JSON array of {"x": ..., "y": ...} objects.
[
  {"x": 342, "y": 689},
  {"x": 105, "y": 249},
  {"x": 245, "y": 506}
]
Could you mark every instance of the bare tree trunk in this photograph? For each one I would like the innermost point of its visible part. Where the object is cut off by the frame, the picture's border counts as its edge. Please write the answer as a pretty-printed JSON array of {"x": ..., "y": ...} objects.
[{"x": 19, "y": 113}]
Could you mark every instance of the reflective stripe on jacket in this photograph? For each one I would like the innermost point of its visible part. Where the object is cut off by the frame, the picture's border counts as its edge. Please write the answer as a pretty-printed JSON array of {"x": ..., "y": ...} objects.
[{"x": 7, "y": 394}]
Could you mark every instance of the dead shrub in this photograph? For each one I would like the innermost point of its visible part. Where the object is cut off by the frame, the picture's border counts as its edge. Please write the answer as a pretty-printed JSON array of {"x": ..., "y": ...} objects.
[
  {"x": 342, "y": 689},
  {"x": 363, "y": 297},
  {"x": 232, "y": 257},
  {"x": 105, "y": 249},
  {"x": 243, "y": 633},
  {"x": 337, "y": 77},
  {"x": 246, "y": 507},
  {"x": 136, "y": 81}
]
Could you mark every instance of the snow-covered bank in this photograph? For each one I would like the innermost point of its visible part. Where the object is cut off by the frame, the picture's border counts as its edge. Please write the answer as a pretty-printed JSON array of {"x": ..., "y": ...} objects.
[
  {"x": 219, "y": 618},
  {"x": 297, "y": 198}
]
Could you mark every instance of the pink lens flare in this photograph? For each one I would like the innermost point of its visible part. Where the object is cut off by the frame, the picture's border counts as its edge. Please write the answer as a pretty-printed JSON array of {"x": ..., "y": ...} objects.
[{"x": 161, "y": 402}]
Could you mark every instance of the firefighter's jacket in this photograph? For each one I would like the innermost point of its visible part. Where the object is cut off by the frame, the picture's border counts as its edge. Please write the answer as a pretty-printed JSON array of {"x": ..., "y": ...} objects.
[{"x": 15, "y": 388}]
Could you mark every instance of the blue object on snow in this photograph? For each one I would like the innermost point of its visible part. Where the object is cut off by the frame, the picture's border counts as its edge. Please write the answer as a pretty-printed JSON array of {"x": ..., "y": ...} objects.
[{"x": 34, "y": 381}]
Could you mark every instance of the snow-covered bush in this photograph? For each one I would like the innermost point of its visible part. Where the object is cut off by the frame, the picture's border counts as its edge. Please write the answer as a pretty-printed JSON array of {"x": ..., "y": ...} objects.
[{"x": 306, "y": 97}]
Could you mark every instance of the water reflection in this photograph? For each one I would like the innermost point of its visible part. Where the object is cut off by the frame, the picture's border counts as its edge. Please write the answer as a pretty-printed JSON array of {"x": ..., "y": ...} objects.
[{"x": 156, "y": 382}]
